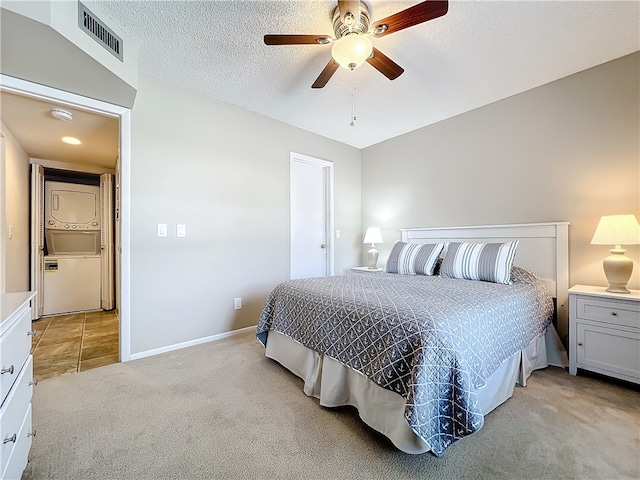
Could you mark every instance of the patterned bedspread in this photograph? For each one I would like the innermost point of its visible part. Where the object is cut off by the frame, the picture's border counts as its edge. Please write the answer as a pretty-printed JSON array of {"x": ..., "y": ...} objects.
[{"x": 432, "y": 340}]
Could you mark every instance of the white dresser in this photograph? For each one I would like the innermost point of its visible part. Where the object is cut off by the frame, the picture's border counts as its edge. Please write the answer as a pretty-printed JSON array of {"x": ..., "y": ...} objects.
[
  {"x": 604, "y": 332},
  {"x": 16, "y": 383}
]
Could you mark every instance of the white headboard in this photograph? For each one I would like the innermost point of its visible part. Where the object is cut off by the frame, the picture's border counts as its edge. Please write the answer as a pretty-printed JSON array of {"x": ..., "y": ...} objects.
[{"x": 543, "y": 249}]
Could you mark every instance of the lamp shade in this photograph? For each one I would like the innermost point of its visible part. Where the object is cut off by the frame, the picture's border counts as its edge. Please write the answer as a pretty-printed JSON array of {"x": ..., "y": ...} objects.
[
  {"x": 617, "y": 230},
  {"x": 372, "y": 236},
  {"x": 352, "y": 50}
]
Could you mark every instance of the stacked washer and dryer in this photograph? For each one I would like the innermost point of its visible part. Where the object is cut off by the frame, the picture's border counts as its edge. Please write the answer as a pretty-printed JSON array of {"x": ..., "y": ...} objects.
[{"x": 72, "y": 261}]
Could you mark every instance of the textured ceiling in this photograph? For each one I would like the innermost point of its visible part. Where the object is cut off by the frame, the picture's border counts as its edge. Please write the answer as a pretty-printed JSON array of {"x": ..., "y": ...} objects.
[{"x": 478, "y": 53}]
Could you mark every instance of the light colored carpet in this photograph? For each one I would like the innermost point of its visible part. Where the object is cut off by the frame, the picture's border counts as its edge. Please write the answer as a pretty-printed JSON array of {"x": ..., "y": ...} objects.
[{"x": 224, "y": 411}]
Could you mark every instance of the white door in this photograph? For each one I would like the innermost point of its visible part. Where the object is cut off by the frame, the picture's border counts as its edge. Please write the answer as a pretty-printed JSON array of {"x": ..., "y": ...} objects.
[
  {"x": 311, "y": 217},
  {"x": 37, "y": 239},
  {"x": 116, "y": 238},
  {"x": 3, "y": 246},
  {"x": 106, "y": 242}
]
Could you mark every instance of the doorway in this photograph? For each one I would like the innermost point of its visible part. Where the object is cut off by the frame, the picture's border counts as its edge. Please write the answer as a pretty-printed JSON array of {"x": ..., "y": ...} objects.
[
  {"x": 122, "y": 255},
  {"x": 311, "y": 213}
]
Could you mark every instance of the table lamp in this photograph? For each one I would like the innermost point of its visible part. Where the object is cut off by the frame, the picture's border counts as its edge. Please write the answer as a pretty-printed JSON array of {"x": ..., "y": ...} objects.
[
  {"x": 617, "y": 230},
  {"x": 372, "y": 236}
]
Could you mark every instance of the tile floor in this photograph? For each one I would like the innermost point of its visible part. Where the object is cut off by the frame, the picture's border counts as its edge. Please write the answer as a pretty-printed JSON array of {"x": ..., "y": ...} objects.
[{"x": 74, "y": 343}]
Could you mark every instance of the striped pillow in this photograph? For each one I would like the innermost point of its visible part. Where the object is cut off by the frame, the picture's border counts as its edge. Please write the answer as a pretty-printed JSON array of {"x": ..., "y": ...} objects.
[
  {"x": 413, "y": 258},
  {"x": 489, "y": 262}
]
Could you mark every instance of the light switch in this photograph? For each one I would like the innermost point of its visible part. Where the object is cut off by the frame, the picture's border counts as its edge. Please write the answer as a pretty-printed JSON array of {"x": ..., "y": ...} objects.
[
  {"x": 162, "y": 229},
  {"x": 337, "y": 233},
  {"x": 181, "y": 230}
]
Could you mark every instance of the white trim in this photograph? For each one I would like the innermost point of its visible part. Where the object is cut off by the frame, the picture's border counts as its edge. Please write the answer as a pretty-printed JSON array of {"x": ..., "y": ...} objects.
[
  {"x": 72, "y": 167},
  {"x": 3, "y": 214},
  {"x": 191, "y": 343},
  {"x": 124, "y": 314},
  {"x": 36, "y": 241},
  {"x": 329, "y": 207},
  {"x": 34, "y": 90},
  {"x": 532, "y": 229},
  {"x": 42, "y": 92}
]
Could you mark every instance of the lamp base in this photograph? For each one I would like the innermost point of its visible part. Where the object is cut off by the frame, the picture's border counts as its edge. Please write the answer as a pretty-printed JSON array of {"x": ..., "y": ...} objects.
[
  {"x": 618, "y": 288},
  {"x": 372, "y": 257},
  {"x": 618, "y": 268}
]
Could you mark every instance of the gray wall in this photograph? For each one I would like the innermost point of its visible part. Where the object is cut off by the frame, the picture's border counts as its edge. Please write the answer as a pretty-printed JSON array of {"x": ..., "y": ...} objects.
[
  {"x": 224, "y": 172},
  {"x": 16, "y": 204},
  {"x": 566, "y": 151}
]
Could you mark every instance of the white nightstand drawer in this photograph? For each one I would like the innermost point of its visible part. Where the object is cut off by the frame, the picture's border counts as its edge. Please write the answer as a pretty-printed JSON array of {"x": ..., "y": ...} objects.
[
  {"x": 618, "y": 312},
  {"x": 14, "y": 350}
]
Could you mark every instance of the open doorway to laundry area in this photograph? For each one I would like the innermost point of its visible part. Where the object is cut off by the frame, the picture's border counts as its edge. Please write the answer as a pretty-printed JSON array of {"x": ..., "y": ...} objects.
[
  {"x": 75, "y": 237},
  {"x": 72, "y": 269}
]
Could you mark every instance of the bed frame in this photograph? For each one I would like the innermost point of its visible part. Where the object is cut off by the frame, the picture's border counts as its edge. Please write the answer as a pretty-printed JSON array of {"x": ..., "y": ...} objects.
[{"x": 543, "y": 249}]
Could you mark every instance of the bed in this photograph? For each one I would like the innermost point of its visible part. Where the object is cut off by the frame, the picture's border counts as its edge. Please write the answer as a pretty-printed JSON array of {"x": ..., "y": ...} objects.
[{"x": 426, "y": 349}]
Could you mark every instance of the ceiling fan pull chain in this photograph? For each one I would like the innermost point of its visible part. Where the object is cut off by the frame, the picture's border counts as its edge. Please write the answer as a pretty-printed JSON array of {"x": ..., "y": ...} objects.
[{"x": 353, "y": 107}]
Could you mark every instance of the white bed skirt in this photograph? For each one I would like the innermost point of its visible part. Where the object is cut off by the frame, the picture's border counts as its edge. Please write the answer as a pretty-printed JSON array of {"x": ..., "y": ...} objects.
[{"x": 337, "y": 385}]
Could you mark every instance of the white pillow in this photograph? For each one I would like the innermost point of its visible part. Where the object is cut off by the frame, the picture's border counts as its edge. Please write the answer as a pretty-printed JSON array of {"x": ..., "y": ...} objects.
[
  {"x": 413, "y": 258},
  {"x": 489, "y": 262}
]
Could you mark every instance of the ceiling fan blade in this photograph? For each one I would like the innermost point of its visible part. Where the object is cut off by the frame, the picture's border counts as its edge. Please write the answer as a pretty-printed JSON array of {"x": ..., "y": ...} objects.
[
  {"x": 385, "y": 65},
  {"x": 296, "y": 39},
  {"x": 419, "y": 13},
  {"x": 349, "y": 6},
  {"x": 326, "y": 74}
]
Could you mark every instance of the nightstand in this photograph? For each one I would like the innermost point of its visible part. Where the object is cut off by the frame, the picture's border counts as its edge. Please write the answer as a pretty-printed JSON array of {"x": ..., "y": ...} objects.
[
  {"x": 367, "y": 270},
  {"x": 604, "y": 332}
]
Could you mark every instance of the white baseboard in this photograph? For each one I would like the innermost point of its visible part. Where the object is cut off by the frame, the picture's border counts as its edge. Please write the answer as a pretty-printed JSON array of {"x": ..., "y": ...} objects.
[{"x": 190, "y": 343}]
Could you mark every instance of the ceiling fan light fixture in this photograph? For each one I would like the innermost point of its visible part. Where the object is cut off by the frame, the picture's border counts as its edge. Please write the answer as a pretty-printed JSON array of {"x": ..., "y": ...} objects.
[{"x": 352, "y": 50}]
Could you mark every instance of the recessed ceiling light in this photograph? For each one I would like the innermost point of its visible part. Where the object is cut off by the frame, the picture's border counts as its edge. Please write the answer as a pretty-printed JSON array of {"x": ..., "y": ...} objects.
[
  {"x": 71, "y": 140},
  {"x": 62, "y": 114}
]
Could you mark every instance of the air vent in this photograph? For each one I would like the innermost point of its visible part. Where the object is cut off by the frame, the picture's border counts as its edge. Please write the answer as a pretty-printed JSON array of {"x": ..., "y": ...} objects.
[{"x": 98, "y": 30}]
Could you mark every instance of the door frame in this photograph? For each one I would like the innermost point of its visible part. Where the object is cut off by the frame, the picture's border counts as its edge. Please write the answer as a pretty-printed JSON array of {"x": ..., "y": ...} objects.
[
  {"x": 34, "y": 90},
  {"x": 3, "y": 221},
  {"x": 327, "y": 169}
]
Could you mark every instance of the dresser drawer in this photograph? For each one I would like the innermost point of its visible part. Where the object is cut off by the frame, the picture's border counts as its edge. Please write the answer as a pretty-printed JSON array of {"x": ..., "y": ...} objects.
[
  {"x": 17, "y": 461},
  {"x": 614, "y": 312},
  {"x": 14, "y": 350},
  {"x": 13, "y": 410}
]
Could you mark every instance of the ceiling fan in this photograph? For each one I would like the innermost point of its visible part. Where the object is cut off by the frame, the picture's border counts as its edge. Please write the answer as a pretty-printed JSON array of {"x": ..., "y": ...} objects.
[{"x": 352, "y": 45}]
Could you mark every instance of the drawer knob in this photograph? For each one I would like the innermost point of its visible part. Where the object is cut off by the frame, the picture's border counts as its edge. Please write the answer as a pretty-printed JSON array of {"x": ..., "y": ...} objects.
[
  {"x": 33, "y": 383},
  {"x": 33, "y": 333},
  {"x": 32, "y": 434},
  {"x": 10, "y": 439},
  {"x": 7, "y": 370},
  {"x": 615, "y": 314},
  {"x": 580, "y": 344}
]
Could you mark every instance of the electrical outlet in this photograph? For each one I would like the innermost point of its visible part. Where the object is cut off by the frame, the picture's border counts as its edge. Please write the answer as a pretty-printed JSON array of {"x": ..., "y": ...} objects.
[{"x": 237, "y": 303}]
